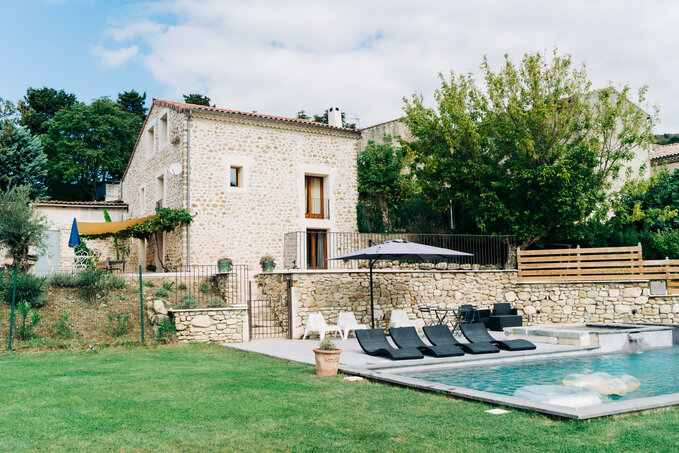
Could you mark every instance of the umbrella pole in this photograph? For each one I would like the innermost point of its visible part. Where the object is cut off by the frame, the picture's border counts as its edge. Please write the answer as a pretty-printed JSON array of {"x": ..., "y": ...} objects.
[{"x": 372, "y": 305}]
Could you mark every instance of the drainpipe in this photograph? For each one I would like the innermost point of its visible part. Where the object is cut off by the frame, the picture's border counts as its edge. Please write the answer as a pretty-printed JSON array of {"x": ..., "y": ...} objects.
[{"x": 188, "y": 187}]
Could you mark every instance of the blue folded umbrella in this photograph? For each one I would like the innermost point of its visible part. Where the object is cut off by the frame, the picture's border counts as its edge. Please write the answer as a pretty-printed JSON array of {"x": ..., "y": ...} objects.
[{"x": 74, "y": 240}]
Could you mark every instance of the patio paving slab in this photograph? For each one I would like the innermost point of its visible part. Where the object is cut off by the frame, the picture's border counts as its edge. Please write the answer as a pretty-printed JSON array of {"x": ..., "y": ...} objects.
[{"x": 353, "y": 356}]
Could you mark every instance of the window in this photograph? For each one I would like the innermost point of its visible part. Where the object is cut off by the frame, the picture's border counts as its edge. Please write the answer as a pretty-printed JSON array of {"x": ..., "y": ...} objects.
[
  {"x": 150, "y": 139},
  {"x": 162, "y": 130},
  {"x": 316, "y": 249},
  {"x": 314, "y": 197},
  {"x": 235, "y": 177},
  {"x": 160, "y": 191}
]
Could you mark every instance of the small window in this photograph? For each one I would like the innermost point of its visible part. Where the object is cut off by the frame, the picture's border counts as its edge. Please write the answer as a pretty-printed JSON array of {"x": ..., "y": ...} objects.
[
  {"x": 163, "y": 130},
  {"x": 235, "y": 177},
  {"x": 150, "y": 142}
]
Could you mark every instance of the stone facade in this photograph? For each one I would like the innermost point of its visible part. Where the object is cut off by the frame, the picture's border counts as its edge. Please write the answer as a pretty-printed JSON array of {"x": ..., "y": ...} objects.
[
  {"x": 222, "y": 325},
  {"x": 242, "y": 223},
  {"x": 395, "y": 128},
  {"x": 330, "y": 292}
]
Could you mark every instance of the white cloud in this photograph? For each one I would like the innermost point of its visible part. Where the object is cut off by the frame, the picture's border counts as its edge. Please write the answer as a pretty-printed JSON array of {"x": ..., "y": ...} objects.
[
  {"x": 279, "y": 57},
  {"x": 114, "y": 58}
]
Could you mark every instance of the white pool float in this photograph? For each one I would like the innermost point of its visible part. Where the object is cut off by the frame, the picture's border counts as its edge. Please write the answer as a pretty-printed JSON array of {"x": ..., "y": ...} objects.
[
  {"x": 604, "y": 383},
  {"x": 560, "y": 395}
]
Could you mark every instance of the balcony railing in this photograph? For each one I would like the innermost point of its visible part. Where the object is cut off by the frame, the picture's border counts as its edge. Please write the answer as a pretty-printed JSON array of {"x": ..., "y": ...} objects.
[
  {"x": 317, "y": 208},
  {"x": 487, "y": 250}
]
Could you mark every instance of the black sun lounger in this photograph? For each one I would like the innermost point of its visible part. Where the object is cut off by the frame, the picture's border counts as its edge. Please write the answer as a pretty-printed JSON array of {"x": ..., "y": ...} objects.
[
  {"x": 374, "y": 342},
  {"x": 440, "y": 335},
  {"x": 407, "y": 337},
  {"x": 476, "y": 333}
]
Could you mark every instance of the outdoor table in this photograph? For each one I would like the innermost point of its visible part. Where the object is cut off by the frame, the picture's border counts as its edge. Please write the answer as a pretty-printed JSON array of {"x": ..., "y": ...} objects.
[{"x": 460, "y": 316}]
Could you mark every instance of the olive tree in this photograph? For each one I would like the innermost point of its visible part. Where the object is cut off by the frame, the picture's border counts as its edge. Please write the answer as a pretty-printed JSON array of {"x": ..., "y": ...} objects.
[{"x": 20, "y": 227}]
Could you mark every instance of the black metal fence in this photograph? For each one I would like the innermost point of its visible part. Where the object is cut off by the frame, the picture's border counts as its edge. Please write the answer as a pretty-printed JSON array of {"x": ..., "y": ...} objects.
[
  {"x": 269, "y": 318},
  {"x": 308, "y": 250},
  {"x": 203, "y": 286}
]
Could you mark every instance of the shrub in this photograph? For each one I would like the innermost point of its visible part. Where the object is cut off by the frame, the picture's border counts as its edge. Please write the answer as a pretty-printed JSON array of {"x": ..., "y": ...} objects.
[
  {"x": 214, "y": 302},
  {"x": 63, "y": 328},
  {"x": 204, "y": 287},
  {"x": 167, "y": 286},
  {"x": 64, "y": 280},
  {"x": 162, "y": 292},
  {"x": 165, "y": 330},
  {"x": 29, "y": 319},
  {"x": 92, "y": 284},
  {"x": 30, "y": 289},
  {"x": 327, "y": 345},
  {"x": 149, "y": 283},
  {"x": 181, "y": 287},
  {"x": 115, "y": 282},
  {"x": 117, "y": 325},
  {"x": 189, "y": 301}
]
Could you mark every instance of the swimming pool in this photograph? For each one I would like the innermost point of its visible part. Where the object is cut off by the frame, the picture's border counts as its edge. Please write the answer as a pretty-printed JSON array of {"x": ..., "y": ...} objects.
[{"x": 658, "y": 371}]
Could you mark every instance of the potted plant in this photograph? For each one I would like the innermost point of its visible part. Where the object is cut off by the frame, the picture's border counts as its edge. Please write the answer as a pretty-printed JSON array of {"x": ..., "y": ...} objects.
[
  {"x": 267, "y": 263},
  {"x": 224, "y": 265},
  {"x": 327, "y": 358}
]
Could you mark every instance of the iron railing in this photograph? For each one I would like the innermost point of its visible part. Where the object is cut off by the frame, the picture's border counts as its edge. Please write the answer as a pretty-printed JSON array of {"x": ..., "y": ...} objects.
[
  {"x": 317, "y": 208},
  {"x": 305, "y": 250},
  {"x": 203, "y": 286},
  {"x": 269, "y": 318}
]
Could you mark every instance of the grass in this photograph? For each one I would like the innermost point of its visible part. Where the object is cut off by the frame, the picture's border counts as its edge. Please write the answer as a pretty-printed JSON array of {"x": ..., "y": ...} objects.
[{"x": 210, "y": 398}]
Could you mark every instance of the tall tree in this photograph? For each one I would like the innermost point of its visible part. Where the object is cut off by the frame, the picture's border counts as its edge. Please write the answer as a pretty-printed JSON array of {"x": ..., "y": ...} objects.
[
  {"x": 22, "y": 161},
  {"x": 87, "y": 145},
  {"x": 529, "y": 153},
  {"x": 197, "y": 99},
  {"x": 40, "y": 105},
  {"x": 380, "y": 183},
  {"x": 20, "y": 227},
  {"x": 133, "y": 102}
]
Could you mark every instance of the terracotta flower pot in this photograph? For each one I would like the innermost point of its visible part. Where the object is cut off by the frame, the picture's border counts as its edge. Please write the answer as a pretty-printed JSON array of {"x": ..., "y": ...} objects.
[{"x": 327, "y": 361}]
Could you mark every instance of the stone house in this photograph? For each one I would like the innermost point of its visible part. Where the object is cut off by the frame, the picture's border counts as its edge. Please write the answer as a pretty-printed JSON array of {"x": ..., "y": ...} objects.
[{"x": 247, "y": 178}]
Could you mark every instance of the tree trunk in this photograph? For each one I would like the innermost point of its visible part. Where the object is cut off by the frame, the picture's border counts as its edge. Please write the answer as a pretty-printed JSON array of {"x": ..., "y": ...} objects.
[{"x": 384, "y": 210}]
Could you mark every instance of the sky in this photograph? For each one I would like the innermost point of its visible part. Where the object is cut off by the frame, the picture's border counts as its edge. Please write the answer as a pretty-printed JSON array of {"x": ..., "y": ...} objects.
[{"x": 279, "y": 57}]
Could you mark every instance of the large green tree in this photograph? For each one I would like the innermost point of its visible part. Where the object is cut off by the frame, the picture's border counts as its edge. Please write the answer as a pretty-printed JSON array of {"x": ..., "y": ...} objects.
[
  {"x": 528, "y": 152},
  {"x": 87, "y": 145},
  {"x": 39, "y": 105},
  {"x": 22, "y": 161},
  {"x": 133, "y": 102},
  {"x": 197, "y": 99},
  {"x": 20, "y": 227},
  {"x": 381, "y": 184}
]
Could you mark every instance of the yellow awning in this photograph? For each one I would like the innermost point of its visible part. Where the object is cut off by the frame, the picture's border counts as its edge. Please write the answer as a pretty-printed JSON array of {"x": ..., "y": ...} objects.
[{"x": 93, "y": 228}]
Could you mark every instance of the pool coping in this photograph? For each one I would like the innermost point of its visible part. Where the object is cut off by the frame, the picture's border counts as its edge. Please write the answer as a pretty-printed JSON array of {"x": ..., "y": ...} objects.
[{"x": 583, "y": 413}]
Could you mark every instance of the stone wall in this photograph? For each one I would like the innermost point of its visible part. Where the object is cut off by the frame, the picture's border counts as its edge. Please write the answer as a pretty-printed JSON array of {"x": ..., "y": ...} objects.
[
  {"x": 222, "y": 325},
  {"x": 330, "y": 292},
  {"x": 241, "y": 223}
]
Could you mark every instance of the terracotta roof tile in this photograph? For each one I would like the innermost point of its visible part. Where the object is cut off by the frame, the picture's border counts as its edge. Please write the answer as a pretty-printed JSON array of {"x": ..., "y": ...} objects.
[
  {"x": 664, "y": 151},
  {"x": 182, "y": 107},
  {"x": 83, "y": 203}
]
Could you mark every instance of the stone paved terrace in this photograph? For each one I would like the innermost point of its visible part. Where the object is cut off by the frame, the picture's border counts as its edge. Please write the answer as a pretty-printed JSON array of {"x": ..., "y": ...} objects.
[{"x": 353, "y": 356}]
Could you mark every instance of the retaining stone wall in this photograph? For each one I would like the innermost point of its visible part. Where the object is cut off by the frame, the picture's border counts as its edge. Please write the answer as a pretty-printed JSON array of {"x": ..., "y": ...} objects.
[
  {"x": 330, "y": 292},
  {"x": 212, "y": 324}
]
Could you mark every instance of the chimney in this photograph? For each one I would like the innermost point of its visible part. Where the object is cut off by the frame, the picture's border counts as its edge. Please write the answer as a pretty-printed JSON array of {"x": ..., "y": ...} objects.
[{"x": 334, "y": 117}]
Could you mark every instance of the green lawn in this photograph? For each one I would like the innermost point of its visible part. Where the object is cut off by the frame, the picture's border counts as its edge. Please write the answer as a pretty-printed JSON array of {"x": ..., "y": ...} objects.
[{"x": 209, "y": 398}]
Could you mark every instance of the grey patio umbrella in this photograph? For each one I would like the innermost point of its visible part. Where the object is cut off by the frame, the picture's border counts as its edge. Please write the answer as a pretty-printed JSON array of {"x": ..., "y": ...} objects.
[{"x": 397, "y": 249}]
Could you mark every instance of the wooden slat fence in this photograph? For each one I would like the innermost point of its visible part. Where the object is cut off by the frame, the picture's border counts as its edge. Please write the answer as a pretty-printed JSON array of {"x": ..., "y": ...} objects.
[{"x": 595, "y": 264}]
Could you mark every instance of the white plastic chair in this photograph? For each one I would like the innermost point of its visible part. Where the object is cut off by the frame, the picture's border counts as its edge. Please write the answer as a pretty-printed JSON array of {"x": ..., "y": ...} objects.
[
  {"x": 399, "y": 318},
  {"x": 346, "y": 322},
  {"x": 316, "y": 323}
]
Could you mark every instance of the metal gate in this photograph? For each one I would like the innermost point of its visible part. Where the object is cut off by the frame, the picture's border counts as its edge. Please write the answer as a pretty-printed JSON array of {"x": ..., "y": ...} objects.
[{"x": 270, "y": 317}]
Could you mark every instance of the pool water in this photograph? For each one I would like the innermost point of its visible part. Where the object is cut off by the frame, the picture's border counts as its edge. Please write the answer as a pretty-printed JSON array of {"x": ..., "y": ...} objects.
[{"x": 658, "y": 371}]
